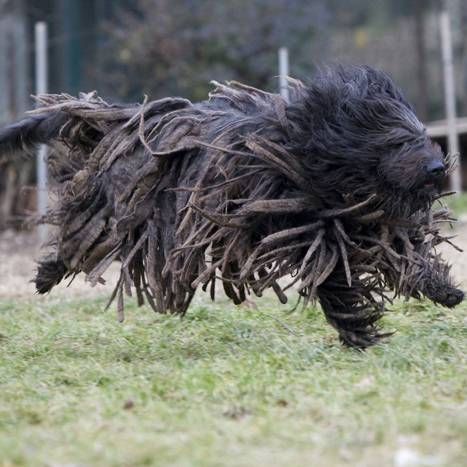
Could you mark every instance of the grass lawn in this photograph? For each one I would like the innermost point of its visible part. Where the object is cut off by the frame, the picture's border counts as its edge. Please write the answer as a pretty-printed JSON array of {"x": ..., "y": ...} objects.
[
  {"x": 457, "y": 203},
  {"x": 228, "y": 386}
]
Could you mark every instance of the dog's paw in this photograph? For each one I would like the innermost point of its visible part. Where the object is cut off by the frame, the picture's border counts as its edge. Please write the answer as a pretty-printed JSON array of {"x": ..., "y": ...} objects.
[
  {"x": 362, "y": 338},
  {"x": 452, "y": 297},
  {"x": 445, "y": 295}
]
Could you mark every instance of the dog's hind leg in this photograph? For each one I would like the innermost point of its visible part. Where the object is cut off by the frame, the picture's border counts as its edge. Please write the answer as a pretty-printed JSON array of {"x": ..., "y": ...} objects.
[{"x": 352, "y": 311}]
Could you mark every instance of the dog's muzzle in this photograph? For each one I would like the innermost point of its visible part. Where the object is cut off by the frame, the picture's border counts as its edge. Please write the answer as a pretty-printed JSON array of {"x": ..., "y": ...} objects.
[{"x": 434, "y": 173}]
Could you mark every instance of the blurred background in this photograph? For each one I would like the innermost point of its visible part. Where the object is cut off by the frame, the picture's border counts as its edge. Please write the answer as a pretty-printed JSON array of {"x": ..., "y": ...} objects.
[{"x": 125, "y": 49}]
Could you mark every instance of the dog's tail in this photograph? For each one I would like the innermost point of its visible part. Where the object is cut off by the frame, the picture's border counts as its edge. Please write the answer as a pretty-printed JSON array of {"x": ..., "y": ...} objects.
[{"x": 25, "y": 135}]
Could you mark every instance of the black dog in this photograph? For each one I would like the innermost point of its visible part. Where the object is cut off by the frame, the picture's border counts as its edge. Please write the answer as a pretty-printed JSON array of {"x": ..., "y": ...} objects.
[{"x": 332, "y": 191}]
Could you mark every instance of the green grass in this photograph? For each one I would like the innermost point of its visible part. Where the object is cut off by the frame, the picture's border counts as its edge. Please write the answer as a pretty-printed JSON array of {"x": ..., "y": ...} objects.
[
  {"x": 457, "y": 203},
  {"x": 227, "y": 386}
]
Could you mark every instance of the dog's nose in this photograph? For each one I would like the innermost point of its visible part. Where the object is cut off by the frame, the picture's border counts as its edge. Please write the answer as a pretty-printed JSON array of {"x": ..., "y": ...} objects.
[{"x": 435, "y": 168}]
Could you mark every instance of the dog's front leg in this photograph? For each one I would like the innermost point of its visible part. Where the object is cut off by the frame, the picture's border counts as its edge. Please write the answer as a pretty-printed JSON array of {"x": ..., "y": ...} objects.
[
  {"x": 434, "y": 282},
  {"x": 352, "y": 311}
]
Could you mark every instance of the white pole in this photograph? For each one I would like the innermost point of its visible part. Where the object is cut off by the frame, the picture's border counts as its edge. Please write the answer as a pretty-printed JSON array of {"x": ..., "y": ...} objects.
[
  {"x": 41, "y": 160},
  {"x": 284, "y": 72},
  {"x": 450, "y": 97}
]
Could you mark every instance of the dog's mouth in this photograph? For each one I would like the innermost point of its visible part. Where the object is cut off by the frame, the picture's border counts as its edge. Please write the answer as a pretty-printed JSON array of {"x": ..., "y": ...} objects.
[{"x": 431, "y": 186}]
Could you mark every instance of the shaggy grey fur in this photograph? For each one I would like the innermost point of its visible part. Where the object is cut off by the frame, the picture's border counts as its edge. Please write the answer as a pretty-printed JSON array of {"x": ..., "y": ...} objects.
[{"x": 332, "y": 192}]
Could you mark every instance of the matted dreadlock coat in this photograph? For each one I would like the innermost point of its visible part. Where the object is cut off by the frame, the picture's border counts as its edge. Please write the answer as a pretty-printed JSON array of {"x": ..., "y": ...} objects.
[{"x": 331, "y": 192}]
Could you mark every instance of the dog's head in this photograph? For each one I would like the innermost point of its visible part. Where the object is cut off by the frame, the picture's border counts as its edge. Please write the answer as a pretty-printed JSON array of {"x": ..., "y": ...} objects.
[{"x": 356, "y": 134}]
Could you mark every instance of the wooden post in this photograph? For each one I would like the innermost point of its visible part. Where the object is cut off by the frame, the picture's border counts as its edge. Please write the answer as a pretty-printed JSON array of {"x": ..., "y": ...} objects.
[
  {"x": 41, "y": 158},
  {"x": 284, "y": 72},
  {"x": 450, "y": 97}
]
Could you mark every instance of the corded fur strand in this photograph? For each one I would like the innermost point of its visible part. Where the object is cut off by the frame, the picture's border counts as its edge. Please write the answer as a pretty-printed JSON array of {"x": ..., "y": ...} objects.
[{"x": 326, "y": 193}]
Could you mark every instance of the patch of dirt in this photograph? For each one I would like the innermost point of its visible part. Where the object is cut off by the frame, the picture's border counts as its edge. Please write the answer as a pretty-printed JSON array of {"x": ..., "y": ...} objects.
[
  {"x": 458, "y": 259},
  {"x": 18, "y": 255}
]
